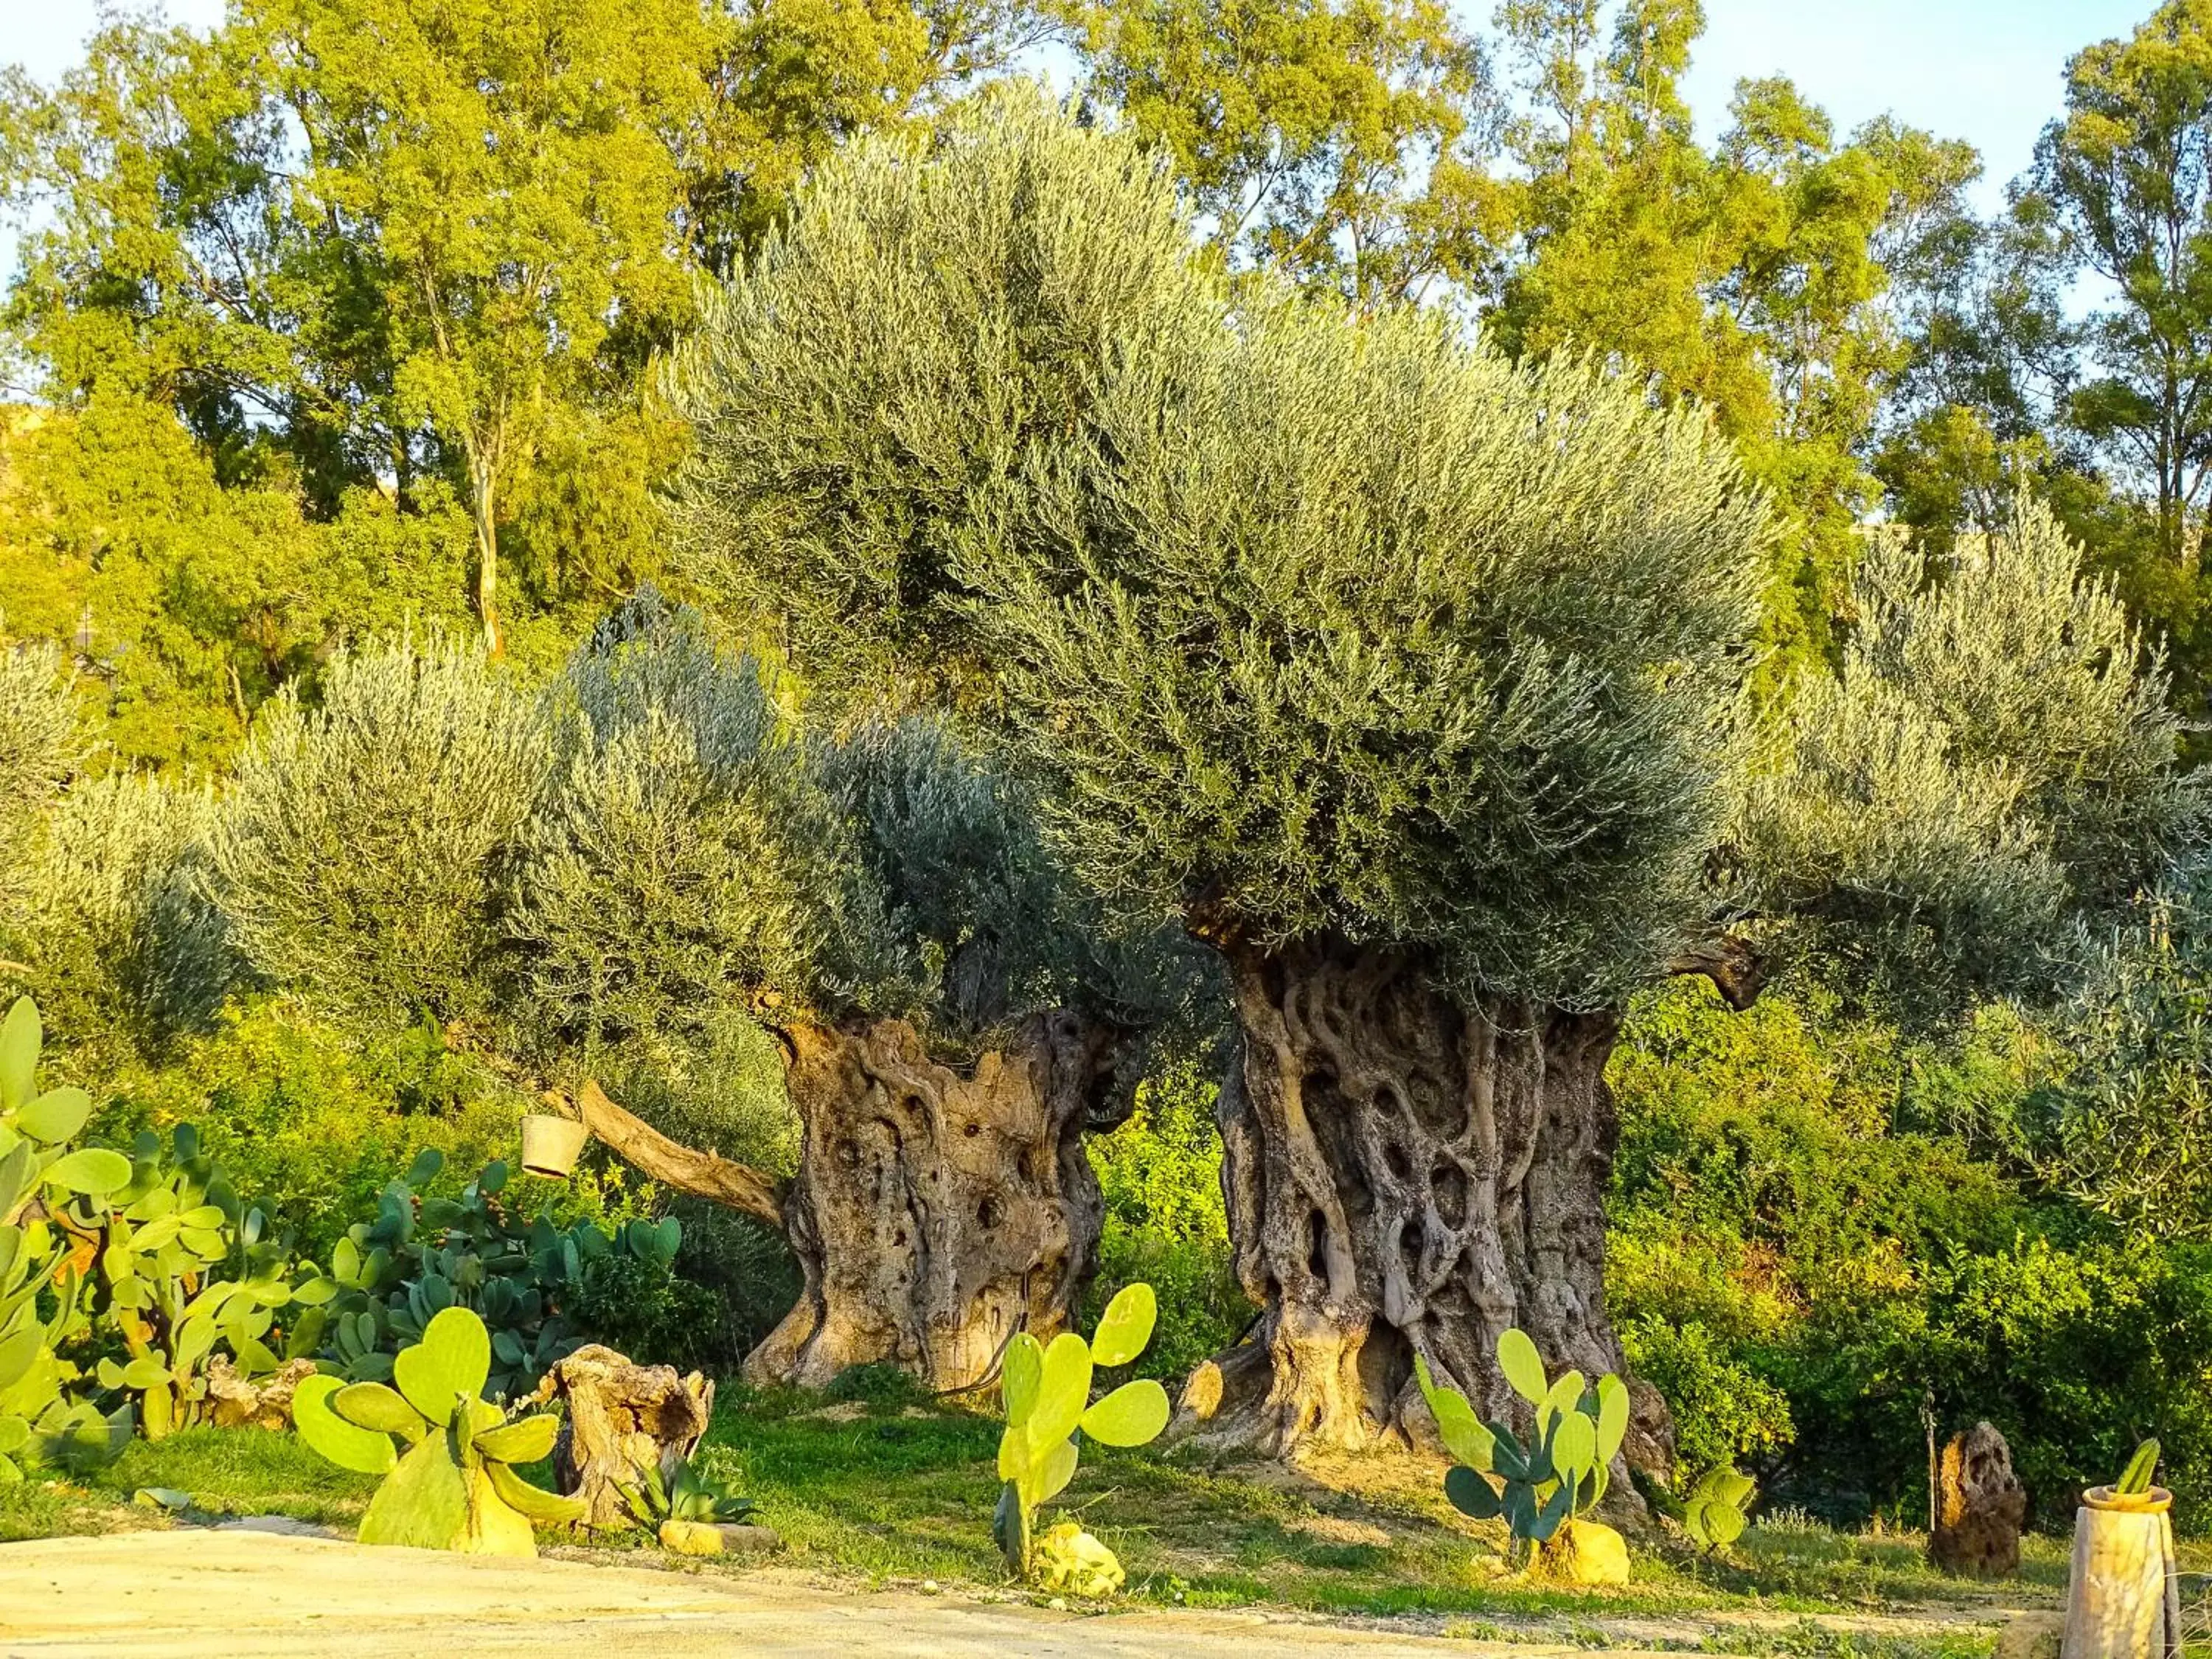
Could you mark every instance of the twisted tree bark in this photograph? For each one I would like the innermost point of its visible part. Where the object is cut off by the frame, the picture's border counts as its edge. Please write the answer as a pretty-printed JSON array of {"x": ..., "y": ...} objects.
[
  {"x": 1407, "y": 1176},
  {"x": 937, "y": 1211}
]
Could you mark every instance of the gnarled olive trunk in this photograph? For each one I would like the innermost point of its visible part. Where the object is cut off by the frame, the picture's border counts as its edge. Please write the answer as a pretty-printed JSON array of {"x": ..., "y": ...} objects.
[
  {"x": 937, "y": 1210},
  {"x": 1405, "y": 1176}
]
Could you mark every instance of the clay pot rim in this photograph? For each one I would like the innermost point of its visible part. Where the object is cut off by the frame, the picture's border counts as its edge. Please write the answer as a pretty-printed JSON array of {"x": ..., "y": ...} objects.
[{"x": 2156, "y": 1501}]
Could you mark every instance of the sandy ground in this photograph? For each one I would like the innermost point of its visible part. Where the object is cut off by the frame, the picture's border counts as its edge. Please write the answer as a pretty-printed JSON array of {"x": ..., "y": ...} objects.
[{"x": 190, "y": 1593}]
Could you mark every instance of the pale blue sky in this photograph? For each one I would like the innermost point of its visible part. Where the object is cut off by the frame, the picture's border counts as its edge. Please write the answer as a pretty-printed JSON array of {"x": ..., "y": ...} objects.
[{"x": 1985, "y": 71}]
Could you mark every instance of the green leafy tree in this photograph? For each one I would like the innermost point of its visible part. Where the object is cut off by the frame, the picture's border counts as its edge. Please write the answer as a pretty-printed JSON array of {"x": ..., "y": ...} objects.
[
  {"x": 39, "y": 746},
  {"x": 336, "y": 315},
  {"x": 1752, "y": 276},
  {"x": 2126, "y": 176},
  {"x": 507, "y": 198},
  {"x": 2122, "y": 1131},
  {"x": 1345, "y": 144}
]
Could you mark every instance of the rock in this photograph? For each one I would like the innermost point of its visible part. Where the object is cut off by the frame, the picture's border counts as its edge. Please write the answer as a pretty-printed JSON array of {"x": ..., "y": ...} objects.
[
  {"x": 621, "y": 1418},
  {"x": 1587, "y": 1552},
  {"x": 240, "y": 1403},
  {"x": 690, "y": 1537},
  {"x": 1980, "y": 1506},
  {"x": 748, "y": 1538}
]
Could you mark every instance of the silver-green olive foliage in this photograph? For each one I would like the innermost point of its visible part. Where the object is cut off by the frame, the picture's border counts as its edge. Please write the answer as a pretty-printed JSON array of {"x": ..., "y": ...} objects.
[
  {"x": 1308, "y": 621},
  {"x": 636, "y": 851},
  {"x": 1993, "y": 762}
]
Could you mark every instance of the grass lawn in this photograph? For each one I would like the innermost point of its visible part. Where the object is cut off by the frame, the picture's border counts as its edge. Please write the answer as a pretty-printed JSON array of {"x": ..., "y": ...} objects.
[
  {"x": 227, "y": 1471},
  {"x": 891, "y": 1489}
]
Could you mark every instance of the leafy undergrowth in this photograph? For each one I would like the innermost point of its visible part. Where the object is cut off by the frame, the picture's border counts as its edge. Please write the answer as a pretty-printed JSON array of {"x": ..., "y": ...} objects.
[{"x": 228, "y": 1471}]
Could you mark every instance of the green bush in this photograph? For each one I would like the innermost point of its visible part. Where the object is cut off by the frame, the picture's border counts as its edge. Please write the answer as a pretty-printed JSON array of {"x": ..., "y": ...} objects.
[
  {"x": 647, "y": 1308},
  {"x": 1724, "y": 1411},
  {"x": 1165, "y": 1226},
  {"x": 319, "y": 1121},
  {"x": 1814, "y": 1232}
]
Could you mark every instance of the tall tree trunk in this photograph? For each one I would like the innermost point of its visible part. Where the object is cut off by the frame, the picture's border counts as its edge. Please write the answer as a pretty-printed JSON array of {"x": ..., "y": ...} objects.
[
  {"x": 1407, "y": 1176},
  {"x": 482, "y": 483},
  {"x": 937, "y": 1211}
]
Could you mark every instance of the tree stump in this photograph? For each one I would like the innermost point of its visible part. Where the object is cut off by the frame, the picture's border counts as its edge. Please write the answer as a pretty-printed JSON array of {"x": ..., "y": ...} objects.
[
  {"x": 238, "y": 1402},
  {"x": 622, "y": 1419},
  {"x": 1980, "y": 1507}
]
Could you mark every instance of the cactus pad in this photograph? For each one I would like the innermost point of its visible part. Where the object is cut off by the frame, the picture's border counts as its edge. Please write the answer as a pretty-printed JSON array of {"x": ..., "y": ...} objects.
[
  {"x": 450, "y": 1364},
  {"x": 347, "y": 1444}
]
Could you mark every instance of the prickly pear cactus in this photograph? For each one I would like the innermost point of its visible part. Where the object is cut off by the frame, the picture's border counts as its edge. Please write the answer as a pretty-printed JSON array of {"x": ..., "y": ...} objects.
[
  {"x": 1558, "y": 1474},
  {"x": 1713, "y": 1513},
  {"x": 151, "y": 1253},
  {"x": 425, "y": 1253},
  {"x": 1046, "y": 1393},
  {"x": 188, "y": 1271},
  {"x": 454, "y": 1486}
]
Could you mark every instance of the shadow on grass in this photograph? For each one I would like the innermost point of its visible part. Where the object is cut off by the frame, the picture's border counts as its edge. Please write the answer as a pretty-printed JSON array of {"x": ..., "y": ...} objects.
[{"x": 228, "y": 1471}]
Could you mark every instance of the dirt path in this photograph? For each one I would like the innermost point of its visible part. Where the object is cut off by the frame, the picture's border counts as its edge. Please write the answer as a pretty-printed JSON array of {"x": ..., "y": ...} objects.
[
  {"x": 196, "y": 1593},
  {"x": 192, "y": 1594}
]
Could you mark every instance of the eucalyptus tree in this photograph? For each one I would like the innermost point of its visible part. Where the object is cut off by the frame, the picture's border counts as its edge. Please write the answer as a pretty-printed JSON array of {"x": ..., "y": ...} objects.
[
  {"x": 1407, "y": 679},
  {"x": 610, "y": 877}
]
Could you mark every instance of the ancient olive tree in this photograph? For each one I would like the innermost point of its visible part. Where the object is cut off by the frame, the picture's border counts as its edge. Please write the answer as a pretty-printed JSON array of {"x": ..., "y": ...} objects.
[
  {"x": 646, "y": 865},
  {"x": 1395, "y": 674},
  {"x": 1406, "y": 678},
  {"x": 949, "y": 1024}
]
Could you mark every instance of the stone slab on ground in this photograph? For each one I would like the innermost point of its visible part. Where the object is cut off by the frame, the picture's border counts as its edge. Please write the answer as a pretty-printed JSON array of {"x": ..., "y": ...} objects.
[{"x": 202, "y": 1593}]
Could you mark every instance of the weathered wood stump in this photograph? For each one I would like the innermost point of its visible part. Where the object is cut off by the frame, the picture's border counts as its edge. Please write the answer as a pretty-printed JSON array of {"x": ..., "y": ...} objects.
[
  {"x": 1980, "y": 1507},
  {"x": 240, "y": 1402},
  {"x": 622, "y": 1419}
]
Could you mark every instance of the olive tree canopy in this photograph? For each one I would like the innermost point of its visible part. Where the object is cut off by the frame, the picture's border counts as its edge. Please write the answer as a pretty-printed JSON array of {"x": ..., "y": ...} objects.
[
  {"x": 1410, "y": 679},
  {"x": 648, "y": 874},
  {"x": 1395, "y": 671},
  {"x": 1992, "y": 765}
]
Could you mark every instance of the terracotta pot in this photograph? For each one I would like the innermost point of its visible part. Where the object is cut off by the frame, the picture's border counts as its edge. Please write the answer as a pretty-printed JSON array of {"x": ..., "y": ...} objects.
[{"x": 550, "y": 1145}]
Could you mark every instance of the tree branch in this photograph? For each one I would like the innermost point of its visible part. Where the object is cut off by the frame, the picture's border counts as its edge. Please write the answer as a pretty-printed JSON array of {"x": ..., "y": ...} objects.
[
  {"x": 702, "y": 1175},
  {"x": 1737, "y": 972}
]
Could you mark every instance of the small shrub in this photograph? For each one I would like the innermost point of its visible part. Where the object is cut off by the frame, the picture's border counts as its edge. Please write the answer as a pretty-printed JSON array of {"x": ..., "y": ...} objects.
[{"x": 643, "y": 1307}]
